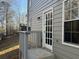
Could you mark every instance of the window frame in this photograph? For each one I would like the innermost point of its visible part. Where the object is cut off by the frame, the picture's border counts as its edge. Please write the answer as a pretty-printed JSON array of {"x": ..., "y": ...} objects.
[{"x": 63, "y": 21}]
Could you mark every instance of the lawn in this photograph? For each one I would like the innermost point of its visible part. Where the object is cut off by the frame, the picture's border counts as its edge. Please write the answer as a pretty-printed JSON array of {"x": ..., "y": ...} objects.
[
  {"x": 11, "y": 55},
  {"x": 8, "y": 43}
]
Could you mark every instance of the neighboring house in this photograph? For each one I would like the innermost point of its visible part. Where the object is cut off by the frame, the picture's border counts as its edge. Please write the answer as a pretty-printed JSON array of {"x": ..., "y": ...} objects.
[{"x": 58, "y": 20}]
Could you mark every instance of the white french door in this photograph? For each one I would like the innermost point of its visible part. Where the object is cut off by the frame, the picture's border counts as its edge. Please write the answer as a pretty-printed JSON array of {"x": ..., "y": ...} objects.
[{"x": 47, "y": 29}]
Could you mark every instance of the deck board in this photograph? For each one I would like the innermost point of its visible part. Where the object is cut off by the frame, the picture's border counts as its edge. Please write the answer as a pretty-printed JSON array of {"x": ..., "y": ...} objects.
[{"x": 39, "y": 53}]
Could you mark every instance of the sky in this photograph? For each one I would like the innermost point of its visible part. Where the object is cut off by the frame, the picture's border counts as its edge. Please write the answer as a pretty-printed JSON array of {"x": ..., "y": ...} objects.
[
  {"x": 20, "y": 8},
  {"x": 21, "y": 5}
]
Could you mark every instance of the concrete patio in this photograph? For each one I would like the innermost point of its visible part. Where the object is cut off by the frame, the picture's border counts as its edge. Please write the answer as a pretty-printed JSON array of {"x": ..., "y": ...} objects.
[{"x": 40, "y": 53}]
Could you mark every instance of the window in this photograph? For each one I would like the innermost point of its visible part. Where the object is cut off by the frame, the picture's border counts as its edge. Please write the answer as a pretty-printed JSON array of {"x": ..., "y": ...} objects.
[{"x": 71, "y": 22}]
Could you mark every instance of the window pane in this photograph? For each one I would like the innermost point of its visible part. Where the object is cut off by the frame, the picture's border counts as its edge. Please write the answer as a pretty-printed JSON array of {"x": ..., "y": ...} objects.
[
  {"x": 67, "y": 15},
  {"x": 75, "y": 38},
  {"x": 67, "y": 4},
  {"x": 75, "y": 13},
  {"x": 75, "y": 26},
  {"x": 67, "y": 37},
  {"x": 71, "y": 28},
  {"x": 67, "y": 26},
  {"x": 74, "y": 3}
]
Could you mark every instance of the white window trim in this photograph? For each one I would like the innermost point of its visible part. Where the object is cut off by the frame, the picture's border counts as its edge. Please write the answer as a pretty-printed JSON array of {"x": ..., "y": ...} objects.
[{"x": 64, "y": 43}]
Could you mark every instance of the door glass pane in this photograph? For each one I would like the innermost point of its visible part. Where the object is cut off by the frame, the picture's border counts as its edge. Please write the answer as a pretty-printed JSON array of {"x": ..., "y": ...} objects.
[
  {"x": 48, "y": 15},
  {"x": 50, "y": 28},
  {"x": 49, "y": 35},
  {"x": 51, "y": 14},
  {"x": 46, "y": 22},
  {"x": 46, "y": 29},
  {"x": 46, "y": 40},
  {"x": 50, "y": 41},
  {"x": 50, "y": 22},
  {"x": 46, "y": 35}
]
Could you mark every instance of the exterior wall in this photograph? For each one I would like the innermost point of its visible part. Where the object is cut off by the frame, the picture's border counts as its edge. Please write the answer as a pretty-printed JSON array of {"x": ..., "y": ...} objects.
[{"x": 61, "y": 51}]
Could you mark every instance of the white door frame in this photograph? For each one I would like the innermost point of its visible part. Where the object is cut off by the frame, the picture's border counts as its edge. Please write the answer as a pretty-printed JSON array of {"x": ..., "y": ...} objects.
[{"x": 43, "y": 27}]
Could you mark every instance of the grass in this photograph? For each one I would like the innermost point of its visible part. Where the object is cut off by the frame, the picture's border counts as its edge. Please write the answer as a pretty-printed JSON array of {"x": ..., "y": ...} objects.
[
  {"x": 6, "y": 44},
  {"x": 11, "y": 55}
]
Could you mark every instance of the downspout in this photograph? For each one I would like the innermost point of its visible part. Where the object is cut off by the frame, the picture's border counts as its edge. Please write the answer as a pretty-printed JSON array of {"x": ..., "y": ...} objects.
[{"x": 28, "y": 13}]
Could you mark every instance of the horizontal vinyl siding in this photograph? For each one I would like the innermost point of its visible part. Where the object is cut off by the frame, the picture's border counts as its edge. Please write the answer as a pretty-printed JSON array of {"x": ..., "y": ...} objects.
[
  {"x": 37, "y": 9},
  {"x": 61, "y": 51}
]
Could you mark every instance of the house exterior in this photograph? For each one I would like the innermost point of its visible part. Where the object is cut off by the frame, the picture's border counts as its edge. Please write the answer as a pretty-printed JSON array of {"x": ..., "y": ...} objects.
[{"x": 58, "y": 22}]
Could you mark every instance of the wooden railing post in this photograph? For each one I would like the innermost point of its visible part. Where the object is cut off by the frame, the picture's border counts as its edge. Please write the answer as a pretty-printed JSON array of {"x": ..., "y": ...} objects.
[{"x": 23, "y": 41}]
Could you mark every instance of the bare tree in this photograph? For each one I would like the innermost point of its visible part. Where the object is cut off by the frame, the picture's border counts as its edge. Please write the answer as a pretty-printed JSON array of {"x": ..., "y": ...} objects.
[{"x": 8, "y": 14}]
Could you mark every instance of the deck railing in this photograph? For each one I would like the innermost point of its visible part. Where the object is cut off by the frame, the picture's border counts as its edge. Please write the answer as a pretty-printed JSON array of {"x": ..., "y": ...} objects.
[{"x": 32, "y": 39}]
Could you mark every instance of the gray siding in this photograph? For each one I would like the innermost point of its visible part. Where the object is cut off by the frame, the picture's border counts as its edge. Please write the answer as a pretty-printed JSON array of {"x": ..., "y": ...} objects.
[{"x": 61, "y": 51}]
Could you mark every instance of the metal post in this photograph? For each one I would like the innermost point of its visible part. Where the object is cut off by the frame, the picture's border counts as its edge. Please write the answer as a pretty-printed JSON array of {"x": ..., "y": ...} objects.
[{"x": 23, "y": 40}]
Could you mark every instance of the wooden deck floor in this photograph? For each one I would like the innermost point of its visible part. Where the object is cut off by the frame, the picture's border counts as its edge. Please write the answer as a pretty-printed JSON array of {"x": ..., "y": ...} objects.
[{"x": 39, "y": 53}]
